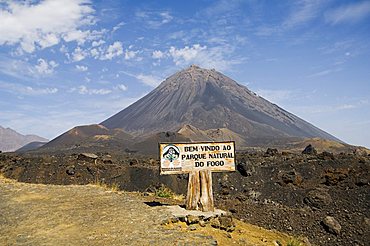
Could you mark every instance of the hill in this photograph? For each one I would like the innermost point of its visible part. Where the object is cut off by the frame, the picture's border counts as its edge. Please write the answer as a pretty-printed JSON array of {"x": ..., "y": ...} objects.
[{"x": 11, "y": 140}]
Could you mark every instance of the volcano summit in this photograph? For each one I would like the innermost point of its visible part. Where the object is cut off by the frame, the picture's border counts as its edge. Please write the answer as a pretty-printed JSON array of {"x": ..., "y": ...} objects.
[{"x": 206, "y": 99}]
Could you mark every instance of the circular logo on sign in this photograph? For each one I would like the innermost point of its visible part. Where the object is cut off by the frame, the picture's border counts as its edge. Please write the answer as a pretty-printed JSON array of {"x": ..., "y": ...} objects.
[{"x": 171, "y": 152}]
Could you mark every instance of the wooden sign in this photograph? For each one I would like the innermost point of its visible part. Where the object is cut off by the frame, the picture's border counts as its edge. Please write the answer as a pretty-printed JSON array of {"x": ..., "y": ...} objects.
[
  {"x": 199, "y": 160},
  {"x": 188, "y": 157}
]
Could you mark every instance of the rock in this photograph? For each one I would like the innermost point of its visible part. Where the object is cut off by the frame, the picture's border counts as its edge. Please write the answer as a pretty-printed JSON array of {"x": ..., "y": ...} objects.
[
  {"x": 192, "y": 228},
  {"x": 334, "y": 176},
  {"x": 191, "y": 219},
  {"x": 290, "y": 177},
  {"x": 87, "y": 157},
  {"x": 226, "y": 222},
  {"x": 326, "y": 156},
  {"x": 271, "y": 152},
  {"x": 243, "y": 169},
  {"x": 71, "y": 170},
  {"x": 174, "y": 220},
  {"x": 309, "y": 150},
  {"x": 215, "y": 223},
  {"x": 202, "y": 223},
  {"x": 318, "y": 198},
  {"x": 331, "y": 225}
]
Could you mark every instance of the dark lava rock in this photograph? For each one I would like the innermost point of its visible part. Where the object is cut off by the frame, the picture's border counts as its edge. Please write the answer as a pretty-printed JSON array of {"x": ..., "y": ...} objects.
[
  {"x": 326, "y": 156},
  {"x": 318, "y": 198},
  {"x": 243, "y": 168},
  {"x": 290, "y": 177},
  {"x": 71, "y": 170},
  {"x": 331, "y": 225},
  {"x": 309, "y": 150},
  {"x": 271, "y": 152},
  {"x": 334, "y": 176}
]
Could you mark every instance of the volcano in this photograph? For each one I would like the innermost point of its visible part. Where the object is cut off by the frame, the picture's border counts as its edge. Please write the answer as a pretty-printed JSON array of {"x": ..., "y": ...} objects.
[{"x": 206, "y": 99}]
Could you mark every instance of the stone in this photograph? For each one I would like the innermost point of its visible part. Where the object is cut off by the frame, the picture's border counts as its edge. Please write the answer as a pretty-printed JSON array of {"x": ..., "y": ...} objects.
[
  {"x": 202, "y": 223},
  {"x": 326, "y": 156},
  {"x": 309, "y": 150},
  {"x": 335, "y": 176},
  {"x": 192, "y": 228},
  {"x": 192, "y": 219},
  {"x": 271, "y": 152},
  {"x": 215, "y": 223},
  {"x": 87, "y": 157},
  {"x": 318, "y": 198},
  {"x": 174, "y": 220},
  {"x": 290, "y": 177},
  {"x": 71, "y": 170},
  {"x": 226, "y": 222},
  {"x": 331, "y": 225}
]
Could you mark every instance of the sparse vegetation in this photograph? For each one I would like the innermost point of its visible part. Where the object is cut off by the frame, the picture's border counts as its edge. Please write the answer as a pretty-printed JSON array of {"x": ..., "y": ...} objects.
[
  {"x": 294, "y": 242},
  {"x": 105, "y": 186},
  {"x": 164, "y": 192}
]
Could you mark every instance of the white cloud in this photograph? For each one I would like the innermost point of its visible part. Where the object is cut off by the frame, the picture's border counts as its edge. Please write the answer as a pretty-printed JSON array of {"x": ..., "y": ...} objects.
[
  {"x": 349, "y": 13},
  {"x": 217, "y": 57},
  {"x": 81, "y": 68},
  {"x": 155, "y": 19},
  {"x": 122, "y": 87},
  {"x": 79, "y": 54},
  {"x": 186, "y": 54},
  {"x": 112, "y": 51},
  {"x": 26, "y": 90},
  {"x": 129, "y": 54},
  {"x": 83, "y": 90},
  {"x": 150, "y": 80},
  {"x": 42, "y": 24},
  {"x": 95, "y": 53},
  {"x": 76, "y": 35},
  {"x": 97, "y": 43},
  {"x": 118, "y": 26},
  {"x": 157, "y": 54},
  {"x": 45, "y": 67},
  {"x": 303, "y": 12}
]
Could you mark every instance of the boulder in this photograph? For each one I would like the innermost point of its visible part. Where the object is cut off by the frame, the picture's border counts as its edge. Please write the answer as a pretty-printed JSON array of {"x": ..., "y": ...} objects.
[
  {"x": 271, "y": 152},
  {"x": 226, "y": 223},
  {"x": 290, "y": 177},
  {"x": 87, "y": 157},
  {"x": 309, "y": 150},
  {"x": 331, "y": 225},
  {"x": 318, "y": 198}
]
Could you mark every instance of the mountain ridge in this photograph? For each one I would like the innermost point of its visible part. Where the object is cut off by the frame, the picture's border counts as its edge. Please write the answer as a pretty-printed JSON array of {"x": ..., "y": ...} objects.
[
  {"x": 207, "y": 99},
  {"x": 11, "y": 140}
]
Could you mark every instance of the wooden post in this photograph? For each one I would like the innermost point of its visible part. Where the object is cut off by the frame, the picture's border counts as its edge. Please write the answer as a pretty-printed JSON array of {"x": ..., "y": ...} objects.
[{"x": 200, "y": 195}]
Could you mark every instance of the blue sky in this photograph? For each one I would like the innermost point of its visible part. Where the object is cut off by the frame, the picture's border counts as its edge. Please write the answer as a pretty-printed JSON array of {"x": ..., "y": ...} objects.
[{"x": 74, "y": 62}]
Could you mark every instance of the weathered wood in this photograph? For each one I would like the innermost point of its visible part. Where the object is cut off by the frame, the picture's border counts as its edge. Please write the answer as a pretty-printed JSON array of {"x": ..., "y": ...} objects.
[
  {"x": 200, "y": 195},
  {"x": 206, "y": 195},
  {"x": 193, "y": 194}
]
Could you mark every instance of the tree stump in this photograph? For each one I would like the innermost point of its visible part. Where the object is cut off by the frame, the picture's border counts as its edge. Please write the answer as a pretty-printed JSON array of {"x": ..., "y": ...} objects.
[{"x": 200, "y": 194}]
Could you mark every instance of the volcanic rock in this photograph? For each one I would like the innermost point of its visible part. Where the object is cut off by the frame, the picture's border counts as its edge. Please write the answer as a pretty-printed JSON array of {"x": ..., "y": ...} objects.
[
  {"x": 318, "y": 198},
  {"x": 331, "y": 225},
  {"x": 309, "y": 150}
]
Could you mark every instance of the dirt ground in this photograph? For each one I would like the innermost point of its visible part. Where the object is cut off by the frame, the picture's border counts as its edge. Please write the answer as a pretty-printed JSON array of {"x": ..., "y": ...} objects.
[{"x": 37, "y": 214}]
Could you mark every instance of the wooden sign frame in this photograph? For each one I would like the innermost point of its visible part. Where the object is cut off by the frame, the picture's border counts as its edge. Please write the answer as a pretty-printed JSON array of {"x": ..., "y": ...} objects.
[{"x": 199, "y": 159}]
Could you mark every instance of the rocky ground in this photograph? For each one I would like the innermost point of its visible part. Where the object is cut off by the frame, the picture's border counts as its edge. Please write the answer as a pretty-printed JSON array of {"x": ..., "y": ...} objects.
[
  {"x": 36, "y": 214},
  {"x": 322, "y": 196}
]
